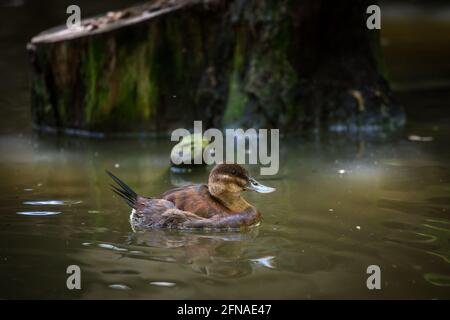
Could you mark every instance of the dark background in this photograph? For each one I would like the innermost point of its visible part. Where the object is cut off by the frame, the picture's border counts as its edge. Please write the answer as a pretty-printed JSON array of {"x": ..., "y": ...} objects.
[{"x": 415, "y": 40}]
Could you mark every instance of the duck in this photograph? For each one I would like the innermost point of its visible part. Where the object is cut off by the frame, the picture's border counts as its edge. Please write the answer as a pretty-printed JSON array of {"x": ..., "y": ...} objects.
[{"x": 217, "y": 205}]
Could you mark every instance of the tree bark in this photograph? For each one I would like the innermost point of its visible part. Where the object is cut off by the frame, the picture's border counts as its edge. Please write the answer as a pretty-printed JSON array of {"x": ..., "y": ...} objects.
[{"x": 293, "y": 65}]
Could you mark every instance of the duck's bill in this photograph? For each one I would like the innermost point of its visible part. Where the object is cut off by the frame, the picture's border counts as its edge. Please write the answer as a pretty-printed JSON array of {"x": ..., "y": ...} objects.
[{"x": 254, "y": 185}]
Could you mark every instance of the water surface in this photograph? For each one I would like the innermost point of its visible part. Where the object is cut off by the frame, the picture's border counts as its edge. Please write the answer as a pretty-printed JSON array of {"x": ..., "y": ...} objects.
[{"x": 339, "y": 207}]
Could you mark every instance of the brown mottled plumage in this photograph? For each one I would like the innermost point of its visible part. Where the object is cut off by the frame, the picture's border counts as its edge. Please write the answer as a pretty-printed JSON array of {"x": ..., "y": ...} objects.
[{"x": 217, "y": 205}]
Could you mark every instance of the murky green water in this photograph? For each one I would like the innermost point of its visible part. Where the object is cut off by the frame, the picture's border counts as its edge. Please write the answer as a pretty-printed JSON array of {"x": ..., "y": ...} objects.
[{"x": 340, "y": 206}]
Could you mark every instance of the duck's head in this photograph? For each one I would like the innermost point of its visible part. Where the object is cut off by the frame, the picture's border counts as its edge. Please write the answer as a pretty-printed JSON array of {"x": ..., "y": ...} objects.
[{"x": 232, "y": 179}]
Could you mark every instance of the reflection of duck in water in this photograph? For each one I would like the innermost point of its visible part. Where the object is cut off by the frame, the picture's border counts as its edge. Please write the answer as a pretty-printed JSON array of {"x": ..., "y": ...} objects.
[
  {"x": 218, "y": 254},
  {"x": 217, "y": 205},
  {"x": 170, "y": 239}
]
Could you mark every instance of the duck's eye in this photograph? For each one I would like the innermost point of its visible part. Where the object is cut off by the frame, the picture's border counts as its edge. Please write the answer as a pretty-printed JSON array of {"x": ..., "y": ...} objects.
[{"x": 233, "y": 172}]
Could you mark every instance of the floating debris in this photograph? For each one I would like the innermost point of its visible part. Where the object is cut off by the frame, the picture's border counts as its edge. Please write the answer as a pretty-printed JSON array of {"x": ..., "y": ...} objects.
[{"x": 358, "y": 227}]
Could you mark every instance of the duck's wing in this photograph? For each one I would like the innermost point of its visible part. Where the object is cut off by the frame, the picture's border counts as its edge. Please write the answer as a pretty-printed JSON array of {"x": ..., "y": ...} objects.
[
  {"x": 152, "y": 212},
  {"x": 195, "y": 199},
  {"x": 149, "y": 212},
  {"x": 152, "y": 206},
  {"x": 177, "y": 219},
  {"x": 161, "y": 213}
]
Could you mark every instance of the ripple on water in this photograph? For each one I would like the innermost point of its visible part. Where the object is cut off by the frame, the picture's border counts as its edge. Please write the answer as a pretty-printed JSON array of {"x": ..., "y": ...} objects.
[
  {"x": 225, "y": 269},
  {"x": 265, "y": 261},
  {"x": 439, "y": 280},
  {"x": 163, "y": 284},
  {"x": 118, "y": 286},
  {"x": 111, "y": 247},
  {"x": 52, "y": 202},
  {"x": 438, "y": 225},
  {"x": 38, "y": 213}
]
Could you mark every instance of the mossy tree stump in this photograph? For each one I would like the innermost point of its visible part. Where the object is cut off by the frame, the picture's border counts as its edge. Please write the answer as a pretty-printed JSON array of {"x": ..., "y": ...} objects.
[{"x": 293, "y": 65}]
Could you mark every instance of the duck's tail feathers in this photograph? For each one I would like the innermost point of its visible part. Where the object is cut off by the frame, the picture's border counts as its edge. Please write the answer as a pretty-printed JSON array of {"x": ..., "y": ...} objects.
[{"x": 124, "y": 191}]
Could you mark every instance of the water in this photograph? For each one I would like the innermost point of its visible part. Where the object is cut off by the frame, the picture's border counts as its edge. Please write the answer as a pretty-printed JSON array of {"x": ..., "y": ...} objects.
[{"x": 341, "y": 205}]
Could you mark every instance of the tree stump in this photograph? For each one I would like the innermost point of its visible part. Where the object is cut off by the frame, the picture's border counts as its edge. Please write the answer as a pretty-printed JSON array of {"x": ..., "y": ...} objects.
[{"x": 294, "y": 65}]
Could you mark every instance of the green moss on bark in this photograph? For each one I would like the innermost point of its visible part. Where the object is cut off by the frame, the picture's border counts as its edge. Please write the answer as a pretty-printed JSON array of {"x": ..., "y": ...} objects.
[{"x": 236, "y": 100}]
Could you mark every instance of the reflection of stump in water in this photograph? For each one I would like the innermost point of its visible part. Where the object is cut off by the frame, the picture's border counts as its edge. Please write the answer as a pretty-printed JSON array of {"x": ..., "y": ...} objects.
[{"x": 218, "y": 255}]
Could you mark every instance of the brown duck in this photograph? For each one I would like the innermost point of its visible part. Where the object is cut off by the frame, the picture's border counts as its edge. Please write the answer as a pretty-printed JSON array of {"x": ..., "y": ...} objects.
[{"x": 217, "y": 205}]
